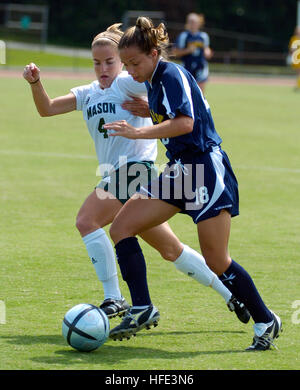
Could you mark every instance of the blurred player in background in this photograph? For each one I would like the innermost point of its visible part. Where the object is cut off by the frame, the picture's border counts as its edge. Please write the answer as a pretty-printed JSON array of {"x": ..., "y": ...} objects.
[
  {"x": 101, "y": 102},
  {"x": 294, "y": 55},
  {"x": 182, "y": 120},
  {"x": 192, "y": 46}
]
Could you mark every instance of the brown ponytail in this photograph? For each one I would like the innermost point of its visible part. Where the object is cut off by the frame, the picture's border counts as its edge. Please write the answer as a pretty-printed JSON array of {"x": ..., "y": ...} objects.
[{"x": 146, "y": 37}]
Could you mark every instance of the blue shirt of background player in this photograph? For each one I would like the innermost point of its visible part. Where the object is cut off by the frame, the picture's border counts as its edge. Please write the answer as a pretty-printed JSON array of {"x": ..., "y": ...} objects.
[
  {"x": 195, "y": 60},
  {"x": 173, "y": 90}
]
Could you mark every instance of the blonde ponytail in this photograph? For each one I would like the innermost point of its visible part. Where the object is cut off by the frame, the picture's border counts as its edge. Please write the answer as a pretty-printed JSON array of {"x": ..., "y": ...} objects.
[{"x": 111, "y": 35}]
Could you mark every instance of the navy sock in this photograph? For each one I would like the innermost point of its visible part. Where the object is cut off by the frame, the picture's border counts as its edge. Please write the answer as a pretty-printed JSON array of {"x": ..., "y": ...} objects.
[
  {"x": 241, "y": 285},
  {"x": 133, "y": 269}
]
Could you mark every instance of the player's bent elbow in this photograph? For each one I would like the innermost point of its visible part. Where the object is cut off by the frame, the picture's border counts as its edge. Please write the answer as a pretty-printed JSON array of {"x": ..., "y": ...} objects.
[
  {"x": 45, "y": 113},
  {"x": 47, "y": 109}
]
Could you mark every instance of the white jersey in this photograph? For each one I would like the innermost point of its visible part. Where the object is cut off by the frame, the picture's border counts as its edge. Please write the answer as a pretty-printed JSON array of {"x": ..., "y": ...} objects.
[{"x": 102, "y": 106}]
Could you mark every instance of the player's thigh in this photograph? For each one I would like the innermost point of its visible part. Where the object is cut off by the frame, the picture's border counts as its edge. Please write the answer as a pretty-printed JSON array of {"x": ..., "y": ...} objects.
[
  {"x": 163, "y": 239},
  {"x": 213, "y": 234},
  {"x": 140, "y": 213},
  {"x": 98, "y": 210}
]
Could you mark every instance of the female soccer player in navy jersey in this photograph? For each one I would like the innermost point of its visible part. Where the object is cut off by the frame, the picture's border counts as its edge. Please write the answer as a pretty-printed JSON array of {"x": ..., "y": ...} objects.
[
  {"x": 101, "y": 102},
  {"x": 192, "y": 46},
  {"x": 197, "y": 181}
]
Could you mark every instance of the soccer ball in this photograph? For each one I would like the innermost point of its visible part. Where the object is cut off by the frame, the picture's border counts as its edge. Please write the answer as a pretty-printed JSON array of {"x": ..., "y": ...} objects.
[{"x": 85, "y": 327}]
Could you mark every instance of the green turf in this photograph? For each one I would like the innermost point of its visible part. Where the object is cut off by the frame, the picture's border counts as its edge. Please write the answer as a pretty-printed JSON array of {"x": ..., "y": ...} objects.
[
  {"x": 48, "y": 168},
  {"x": 17, "y": 57}
]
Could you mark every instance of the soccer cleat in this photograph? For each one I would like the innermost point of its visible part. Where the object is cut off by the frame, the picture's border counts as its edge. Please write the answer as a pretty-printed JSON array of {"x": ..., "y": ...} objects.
[
  {"x": 239, "y": 308},
  {"x": 134, "y": 321},
  {"x": 114, "y": 307},
  {"x": 264, "y": 342}
]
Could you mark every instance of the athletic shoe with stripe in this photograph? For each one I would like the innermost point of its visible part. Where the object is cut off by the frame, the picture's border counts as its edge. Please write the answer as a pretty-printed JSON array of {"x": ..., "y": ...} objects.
[
  {"x": 134, "y": 321},
  {"x": 239, "y": 308},
  {"x": 264, "y": 342},
  {"x": 114, "y": 307}
]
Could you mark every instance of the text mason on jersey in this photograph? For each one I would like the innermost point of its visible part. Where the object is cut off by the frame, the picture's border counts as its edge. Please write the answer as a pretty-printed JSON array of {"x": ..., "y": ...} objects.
[{"x": 100, "y": 108}]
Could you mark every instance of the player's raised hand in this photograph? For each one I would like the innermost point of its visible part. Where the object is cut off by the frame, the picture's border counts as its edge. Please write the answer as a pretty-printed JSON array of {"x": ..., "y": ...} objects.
[
  {"x": 31, "y": 73},
  {"x": 122, "y": 128}
]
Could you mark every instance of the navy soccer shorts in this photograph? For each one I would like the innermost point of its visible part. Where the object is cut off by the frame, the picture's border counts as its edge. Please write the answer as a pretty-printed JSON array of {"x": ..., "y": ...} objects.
[{"x": 200, "y": 185}]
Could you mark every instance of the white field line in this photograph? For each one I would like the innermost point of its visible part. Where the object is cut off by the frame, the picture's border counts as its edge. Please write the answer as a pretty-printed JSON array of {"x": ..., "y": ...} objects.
[{"x": 87, "y": 157}]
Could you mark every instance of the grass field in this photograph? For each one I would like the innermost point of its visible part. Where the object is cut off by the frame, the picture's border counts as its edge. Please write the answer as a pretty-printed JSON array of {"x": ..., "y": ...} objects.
[
  {"x": 48, "y": 167},
  {"x": 16, "y": 57}
]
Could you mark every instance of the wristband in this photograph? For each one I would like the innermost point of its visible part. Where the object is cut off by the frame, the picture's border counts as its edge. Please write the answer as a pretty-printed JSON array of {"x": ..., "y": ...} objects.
[{"x": 34, "y": 82}]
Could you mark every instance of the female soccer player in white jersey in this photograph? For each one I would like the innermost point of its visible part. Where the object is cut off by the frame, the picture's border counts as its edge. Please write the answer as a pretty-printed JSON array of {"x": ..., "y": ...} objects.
[
  {"x": 101, "y": 102},
  {"x": 199, "y": 179}
]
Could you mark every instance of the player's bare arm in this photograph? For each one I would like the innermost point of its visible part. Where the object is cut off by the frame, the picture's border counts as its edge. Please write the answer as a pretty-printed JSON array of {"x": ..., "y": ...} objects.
[
  {"x": 44, "y": 104},
  {"x": 208, "y": 53},
  {"x": 180, "y": 125}
]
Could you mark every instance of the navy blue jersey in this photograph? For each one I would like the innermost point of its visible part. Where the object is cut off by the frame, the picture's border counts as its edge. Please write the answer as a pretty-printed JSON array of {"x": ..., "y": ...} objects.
[
  {"x": 195, "y": 60},
  {"x": 173, "y": 90}
]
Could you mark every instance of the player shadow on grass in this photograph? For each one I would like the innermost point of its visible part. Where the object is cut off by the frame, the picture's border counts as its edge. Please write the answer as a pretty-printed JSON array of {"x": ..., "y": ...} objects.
[
  {"x": 180, "y": 333},
  {"x": 57, "y": 339},
  {"x": 33, "y": 339},
  {"x": 112, "y": 352}
]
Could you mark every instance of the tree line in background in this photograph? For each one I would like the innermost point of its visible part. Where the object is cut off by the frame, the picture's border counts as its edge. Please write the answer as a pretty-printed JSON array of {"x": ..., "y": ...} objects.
[{"x": 76, "y": 23}]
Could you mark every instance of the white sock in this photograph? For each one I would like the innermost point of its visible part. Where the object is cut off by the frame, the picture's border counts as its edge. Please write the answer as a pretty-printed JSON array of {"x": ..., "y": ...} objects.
[
  {"x": 260, "y": 327},
  {"x": 191, "y": 263},
  {"x": 102, "y": 255}
]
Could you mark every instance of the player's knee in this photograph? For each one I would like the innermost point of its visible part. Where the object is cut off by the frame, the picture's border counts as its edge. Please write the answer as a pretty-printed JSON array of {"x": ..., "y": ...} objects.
[
  {"x": 83, "y": 225},
  {"x": 116, "y": 232},
  {"x": 169, "y": 253},
  {"x": 120, "y": 230},
  {"x": 217, "y": 262}
]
